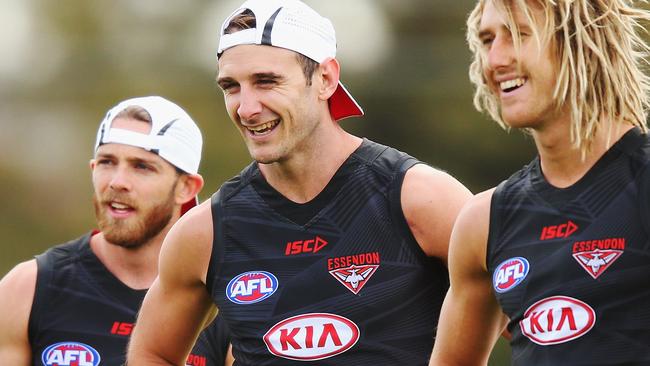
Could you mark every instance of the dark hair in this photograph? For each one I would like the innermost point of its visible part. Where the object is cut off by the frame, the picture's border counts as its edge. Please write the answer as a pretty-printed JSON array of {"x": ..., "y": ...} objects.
[
  {"x": 135, "y": 112},
  {"x": 246, "y": 20}
]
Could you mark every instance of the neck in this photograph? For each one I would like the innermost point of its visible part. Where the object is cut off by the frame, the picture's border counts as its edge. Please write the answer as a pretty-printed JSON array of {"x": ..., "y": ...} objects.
[
  {"x": 306, "y": 173},
  {"x": 562, "y": 163},
  {"x": 135, "y": 267}
]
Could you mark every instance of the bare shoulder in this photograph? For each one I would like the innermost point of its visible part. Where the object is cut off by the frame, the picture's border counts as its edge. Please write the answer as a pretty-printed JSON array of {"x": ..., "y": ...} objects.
[
  {"x": 470, "y": 233},
  {"x": 476, "y": 212},
  {"x": 188, "y": 245},
  {"x": 195, "y": 225},
  {"x": 16, "y": 297},
  {"x": 431, "y": 200},
  {"x": 20, "y": 280}
]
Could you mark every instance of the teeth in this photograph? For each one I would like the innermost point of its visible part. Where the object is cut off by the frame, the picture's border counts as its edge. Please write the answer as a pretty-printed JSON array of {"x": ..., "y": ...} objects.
[
  {"x": 263, "y": 127},
  {"x": 512, "y": 83},
  {"x": 119, "y": 206}
]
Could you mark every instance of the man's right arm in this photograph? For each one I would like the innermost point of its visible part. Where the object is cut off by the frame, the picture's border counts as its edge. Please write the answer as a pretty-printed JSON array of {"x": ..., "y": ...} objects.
[
  {"x": 471, "y": 319},
  {"x": 177, "y": 306},
  {"x": 16, "y": 297}
]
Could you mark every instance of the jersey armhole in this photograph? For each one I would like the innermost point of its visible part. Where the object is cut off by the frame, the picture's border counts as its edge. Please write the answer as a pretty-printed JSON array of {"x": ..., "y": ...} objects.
[
  {"x": 644, "y": 199},
  {"x": 494, "y": 225},
  {"x": 216, "y": 254},
  {"x": 395, "y": 201},
  {"x": 44, "y": 274}
]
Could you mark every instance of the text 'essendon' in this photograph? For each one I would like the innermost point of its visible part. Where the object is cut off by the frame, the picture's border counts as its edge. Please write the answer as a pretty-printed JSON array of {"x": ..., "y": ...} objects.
[{"x": 349, "y": 260}]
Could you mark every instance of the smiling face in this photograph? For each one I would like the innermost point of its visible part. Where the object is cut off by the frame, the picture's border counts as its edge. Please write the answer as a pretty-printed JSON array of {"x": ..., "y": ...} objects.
[
  {"x": 269, "y": 100},
  {"x": 522, "y": 79},
  {"x": 134, "y": 191}
]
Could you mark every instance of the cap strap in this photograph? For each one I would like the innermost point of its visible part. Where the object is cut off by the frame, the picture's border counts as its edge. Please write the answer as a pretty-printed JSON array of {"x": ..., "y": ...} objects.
[
  {"x": 127, "y": 137},
  {"x": 268, "y": 28},
  {"x": 246, "y": 36}
]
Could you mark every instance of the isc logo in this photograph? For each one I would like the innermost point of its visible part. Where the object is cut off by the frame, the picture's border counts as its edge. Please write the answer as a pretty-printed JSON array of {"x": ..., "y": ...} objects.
[
  {"x": 509, "y": 274},
  {"x": 122, "y": 328},
  {"x": 557, "y": 319},
  {"x": 305, "y": 246},
  {"x": 311, "y": 337},
  {"x": 251, "y": 287},
  {"x": 70, "y": 354},
  {"x": 558, "y": 231}
]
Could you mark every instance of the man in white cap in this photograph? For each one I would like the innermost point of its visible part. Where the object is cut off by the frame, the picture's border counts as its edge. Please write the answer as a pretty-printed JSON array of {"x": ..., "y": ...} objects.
[
  {"x": 76, "y": 303},
  {"x": 329, "y": 247}
]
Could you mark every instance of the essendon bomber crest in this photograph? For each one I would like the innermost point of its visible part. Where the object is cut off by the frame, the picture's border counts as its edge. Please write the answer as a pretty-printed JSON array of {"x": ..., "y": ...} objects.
[
  {"x": 595, "y": 256},
  {"x": 597, "y": 261},
  {"x": 354, "y": 277},
  {"x": 354, "y": 271}
]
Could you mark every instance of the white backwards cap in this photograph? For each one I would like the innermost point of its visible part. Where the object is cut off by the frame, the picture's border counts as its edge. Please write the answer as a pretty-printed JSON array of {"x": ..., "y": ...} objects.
[
  {"x": 293, "y": 25},
  {"x": 173, "y": 136}
]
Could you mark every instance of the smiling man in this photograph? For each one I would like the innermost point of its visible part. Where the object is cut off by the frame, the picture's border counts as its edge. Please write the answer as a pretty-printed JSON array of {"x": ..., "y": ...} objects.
[
  {"x": 329, "y": 247},
  {"x": 77, "y": 302},
  {"x": 555, "y": 253}
]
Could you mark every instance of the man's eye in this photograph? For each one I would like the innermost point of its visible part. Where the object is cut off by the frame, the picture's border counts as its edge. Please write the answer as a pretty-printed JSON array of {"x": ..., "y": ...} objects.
[{"x": 143, "y": 166}]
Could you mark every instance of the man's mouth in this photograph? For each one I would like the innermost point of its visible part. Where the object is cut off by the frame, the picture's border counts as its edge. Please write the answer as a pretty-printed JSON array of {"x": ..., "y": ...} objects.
[
  {"x": 120, "y": 207},
  {"x": 264, "y": 128},
  {"x": 511, "y": 85}
]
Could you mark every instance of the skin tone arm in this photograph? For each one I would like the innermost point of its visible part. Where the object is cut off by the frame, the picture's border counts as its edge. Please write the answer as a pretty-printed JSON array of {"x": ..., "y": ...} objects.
[
  {"x": 431, "y": 200},
  {"x": 177, "y": 306},
  {"x": 16, "y": 297},
  {"x": 471, "y": 319}
]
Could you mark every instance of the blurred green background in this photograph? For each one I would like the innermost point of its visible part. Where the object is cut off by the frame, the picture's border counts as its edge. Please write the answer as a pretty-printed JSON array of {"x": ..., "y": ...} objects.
[{"x": 64, "y": 63}]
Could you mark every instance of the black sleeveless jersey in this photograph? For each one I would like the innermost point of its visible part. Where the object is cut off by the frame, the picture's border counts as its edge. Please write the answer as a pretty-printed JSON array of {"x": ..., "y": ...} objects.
[
  {"x": 570, "y": 266},
  {"x": 339, "y": 280},
  {"x": 82, "y": 315}
]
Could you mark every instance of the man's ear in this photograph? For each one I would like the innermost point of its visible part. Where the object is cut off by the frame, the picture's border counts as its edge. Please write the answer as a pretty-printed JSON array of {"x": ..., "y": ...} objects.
[
  {"x": 188, "y": 187},
  {"x": 329, "y": 72}
]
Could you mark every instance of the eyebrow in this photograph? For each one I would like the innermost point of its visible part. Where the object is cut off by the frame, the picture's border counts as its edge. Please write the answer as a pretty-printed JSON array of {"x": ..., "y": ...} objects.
[
  {"x": 484, "y": 33},
  {"x": 130, "y": 159},
  {"x": 223, "y": 81},
  {"x": 268, "y": 75}
]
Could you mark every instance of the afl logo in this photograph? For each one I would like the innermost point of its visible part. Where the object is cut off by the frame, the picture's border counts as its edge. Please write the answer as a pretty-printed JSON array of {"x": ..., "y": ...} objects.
[
  {"x": 251, "y": 287},
  {"x": 70, "y": 354},
  {"x": 509, "y": 274}
]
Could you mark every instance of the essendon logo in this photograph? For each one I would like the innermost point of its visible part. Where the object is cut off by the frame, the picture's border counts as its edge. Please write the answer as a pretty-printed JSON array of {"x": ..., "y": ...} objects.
[
  {"x": 558, "y": 231},
  {"x": 557, "y": 319},
  {"x": 305, "y": 246},
  {"x": 354, "y": 271},
  {"x": 354, "y": 278},
  {"x": 70, "y": 354},
  {"x": 195, "y": 360},
  {"x": 311, "y": 337},
  {"x": 595, "y": 256}
]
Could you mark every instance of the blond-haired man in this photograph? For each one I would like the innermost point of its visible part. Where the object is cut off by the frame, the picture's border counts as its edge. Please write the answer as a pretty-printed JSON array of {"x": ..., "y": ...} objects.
[{"x": 557, "y": 252}]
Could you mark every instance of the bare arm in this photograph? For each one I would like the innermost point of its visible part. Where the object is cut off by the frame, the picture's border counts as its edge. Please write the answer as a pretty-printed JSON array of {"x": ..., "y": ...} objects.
[
  {"x": 16, "y": 297},
  {"x": 177, "y": 306},
  {"x": 230, "y": 359},
  {"x": 471, "y": 319},
  {"x": 431, "y": 200}
]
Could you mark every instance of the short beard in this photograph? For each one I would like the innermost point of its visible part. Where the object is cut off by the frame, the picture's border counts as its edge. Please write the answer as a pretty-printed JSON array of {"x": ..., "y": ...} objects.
[{"x": 134, "y": 236}]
